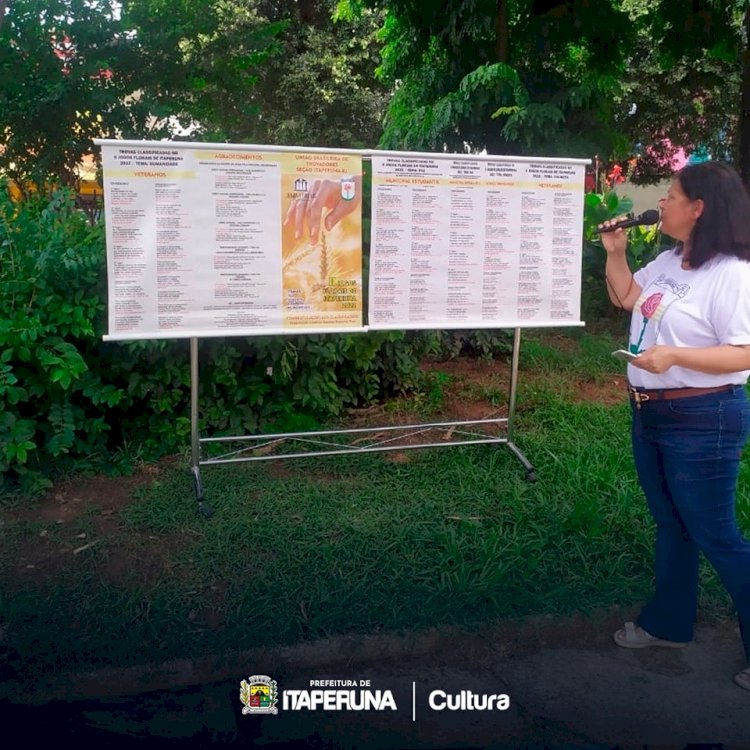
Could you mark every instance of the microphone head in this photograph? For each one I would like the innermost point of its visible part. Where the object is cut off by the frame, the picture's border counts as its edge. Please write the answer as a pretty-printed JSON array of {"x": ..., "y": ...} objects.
[
  {"x": 649, "y": 217},
  {"x": 646, "y": 218}
]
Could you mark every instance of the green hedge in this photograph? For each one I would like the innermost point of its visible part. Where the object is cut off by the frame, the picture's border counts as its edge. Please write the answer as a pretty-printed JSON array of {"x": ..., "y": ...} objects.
[{"x": 69, "y": 400}]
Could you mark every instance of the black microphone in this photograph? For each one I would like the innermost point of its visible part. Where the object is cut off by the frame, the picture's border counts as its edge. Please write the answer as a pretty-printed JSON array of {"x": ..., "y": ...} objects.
[{"x": 645, "y": 219}]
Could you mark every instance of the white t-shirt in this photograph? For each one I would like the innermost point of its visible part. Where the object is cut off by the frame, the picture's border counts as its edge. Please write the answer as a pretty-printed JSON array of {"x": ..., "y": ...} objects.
[{"x": 707, "y": 306}]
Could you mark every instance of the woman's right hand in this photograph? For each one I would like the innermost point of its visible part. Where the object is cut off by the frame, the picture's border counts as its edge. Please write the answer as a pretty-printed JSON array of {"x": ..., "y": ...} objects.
[{"x": 614, "y": 242}]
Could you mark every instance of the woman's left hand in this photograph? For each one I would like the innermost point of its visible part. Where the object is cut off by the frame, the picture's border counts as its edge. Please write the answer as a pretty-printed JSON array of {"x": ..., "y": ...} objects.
[{"x": 657, "y": 359}]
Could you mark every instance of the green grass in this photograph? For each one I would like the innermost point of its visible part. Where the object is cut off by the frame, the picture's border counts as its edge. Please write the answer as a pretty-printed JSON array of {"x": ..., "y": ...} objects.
[
  {"x": 583, "y": 355},
  {"x": 362, "y": 544}
]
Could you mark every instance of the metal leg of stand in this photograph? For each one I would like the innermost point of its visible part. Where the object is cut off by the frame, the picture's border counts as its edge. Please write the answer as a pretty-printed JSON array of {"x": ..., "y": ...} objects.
[
  {"x": 530, "y": 471},
  {"x": 195, "y": 453}
]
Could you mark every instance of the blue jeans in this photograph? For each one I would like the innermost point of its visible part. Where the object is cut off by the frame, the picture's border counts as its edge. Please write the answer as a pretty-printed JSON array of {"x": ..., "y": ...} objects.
[{"x": 687, "y": 456}]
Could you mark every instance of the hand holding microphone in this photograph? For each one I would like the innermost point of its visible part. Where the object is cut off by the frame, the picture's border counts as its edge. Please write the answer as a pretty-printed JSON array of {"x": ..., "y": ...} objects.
[{"x": 615, "y": 241}]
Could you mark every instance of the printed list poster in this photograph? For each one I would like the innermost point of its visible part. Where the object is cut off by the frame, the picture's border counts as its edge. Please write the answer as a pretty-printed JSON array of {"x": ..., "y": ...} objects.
[
  {"x": 213, "y": 241},
  {"x": 475, "y": 243}
]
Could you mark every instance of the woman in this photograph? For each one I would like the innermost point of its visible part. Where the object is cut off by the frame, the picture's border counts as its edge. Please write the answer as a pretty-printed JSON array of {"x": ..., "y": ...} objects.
[{"x": 691, "y": 331}]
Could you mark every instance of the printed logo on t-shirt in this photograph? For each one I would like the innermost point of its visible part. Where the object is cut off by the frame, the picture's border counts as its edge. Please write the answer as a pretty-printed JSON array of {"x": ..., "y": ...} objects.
[{"x": 653, "y": 304}]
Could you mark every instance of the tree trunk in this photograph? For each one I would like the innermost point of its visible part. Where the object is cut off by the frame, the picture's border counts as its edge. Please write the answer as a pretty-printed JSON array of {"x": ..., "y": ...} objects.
[
  {"x": 306, "y": 10},
  {"x": 501, "y": 31},
  {"x": 744, "y": 124}
]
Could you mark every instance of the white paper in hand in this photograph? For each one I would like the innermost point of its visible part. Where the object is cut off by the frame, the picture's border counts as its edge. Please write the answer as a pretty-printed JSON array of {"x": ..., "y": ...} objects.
[{"x": 624, "y": 355}]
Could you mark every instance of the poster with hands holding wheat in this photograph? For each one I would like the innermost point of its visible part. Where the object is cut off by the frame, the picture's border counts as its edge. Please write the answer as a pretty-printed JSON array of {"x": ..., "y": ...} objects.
[{"x": 322, "y": 241}]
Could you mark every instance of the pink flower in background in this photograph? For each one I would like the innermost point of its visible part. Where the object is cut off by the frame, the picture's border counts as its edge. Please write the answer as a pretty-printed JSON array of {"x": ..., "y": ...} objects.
[
  {"x": 616, "y": 176},
  {"x": 105, "y": 74},
  {"x": 650, "y": 304}
]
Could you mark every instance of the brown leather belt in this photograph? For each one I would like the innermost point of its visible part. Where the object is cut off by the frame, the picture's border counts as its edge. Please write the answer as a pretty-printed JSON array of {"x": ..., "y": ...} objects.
[{"x": 641, "y": 395}]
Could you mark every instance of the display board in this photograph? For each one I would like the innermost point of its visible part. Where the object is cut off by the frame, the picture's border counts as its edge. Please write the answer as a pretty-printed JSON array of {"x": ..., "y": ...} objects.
[
  {"x": 223, "y": 240},
  {"x": 216, "y": 240},
  {"x": 475, "y": 242}
]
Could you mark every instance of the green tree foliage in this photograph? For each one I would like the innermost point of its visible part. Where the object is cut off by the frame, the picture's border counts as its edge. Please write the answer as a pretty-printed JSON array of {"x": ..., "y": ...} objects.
[
  {"x": 73, "y": 70},
  {"x": 512, "y": 76},
  {"x": 321, "y": 88},
  {"x": 219, "y": 70},
  {"x": 682, "y": 88},
  {"x": 200, "y": 62},
  {"x": 54, "y": 58}
]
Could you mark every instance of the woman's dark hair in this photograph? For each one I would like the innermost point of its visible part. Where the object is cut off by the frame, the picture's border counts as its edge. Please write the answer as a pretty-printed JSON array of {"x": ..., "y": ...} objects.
[{"x": 724, "y": 225}]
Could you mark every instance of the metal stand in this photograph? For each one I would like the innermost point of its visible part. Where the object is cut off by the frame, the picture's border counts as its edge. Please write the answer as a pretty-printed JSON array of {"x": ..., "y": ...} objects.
[
  {"x": 195, "y": 449},
  {"x": 362, "y": 439},
  {"x": 514, "y": 449}
]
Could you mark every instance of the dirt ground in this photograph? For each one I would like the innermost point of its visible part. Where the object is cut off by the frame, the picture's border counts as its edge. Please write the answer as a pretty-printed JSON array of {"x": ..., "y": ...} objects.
[{"x": 568, "y": 685}]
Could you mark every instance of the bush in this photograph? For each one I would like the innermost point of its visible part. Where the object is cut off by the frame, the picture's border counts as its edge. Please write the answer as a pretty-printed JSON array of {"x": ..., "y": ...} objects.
[
  {"x": 51, "y": 292},
  {"x": 69, "y": 401},
  {"x": 480, "y": 343}
]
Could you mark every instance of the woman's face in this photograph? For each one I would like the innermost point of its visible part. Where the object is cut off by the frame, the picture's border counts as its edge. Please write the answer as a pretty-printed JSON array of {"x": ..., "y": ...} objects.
[{"x": 679, "y": 213}]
